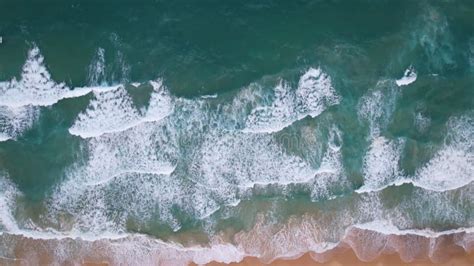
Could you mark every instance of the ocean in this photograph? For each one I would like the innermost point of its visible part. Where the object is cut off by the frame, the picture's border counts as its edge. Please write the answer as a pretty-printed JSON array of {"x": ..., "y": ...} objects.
[{"x": 177, "y": 132}]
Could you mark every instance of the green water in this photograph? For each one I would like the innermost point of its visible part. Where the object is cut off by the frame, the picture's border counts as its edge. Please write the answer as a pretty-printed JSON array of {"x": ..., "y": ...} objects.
[{"x": 235, "y": 49}]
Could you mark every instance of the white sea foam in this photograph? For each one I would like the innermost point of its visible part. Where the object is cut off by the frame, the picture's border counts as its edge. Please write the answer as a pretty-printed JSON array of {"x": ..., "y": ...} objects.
[
  {"x": 81, "y": 91},
  {"x": 450, "y": 168},
  {"x": 266, "y": 242},
  {"x": 220, "y": 175},
  {"x": 331, "y": 172},
  {"x": 275, "y": 117},
  {"x": 96, "y": 74},
  {"x": 35, "y": 87},
  {"x": 112, "y": 110},
  {"x": 244, "y": 160},
  {"x": 380, "y": 166},
  {"x": 453, "y": 165},
  {"x": 408, "y": 77},
  {"x": 131, "y": 250},
  {"x": 210, "y": 96},
  {"x": 381, "y": 161},
  {"x": 377, "y": 106},
  {"x": 224, "y": 166},
  {"x": 8, "y": 192},
  {"x": 115, "y": 154},
  {"x": 139, "y": 159},
  {"x": 372, "y": 239},
  {"x": 314, "y": 94},
  {"x": 109, "y": 111},
  {"x": 16, "y": 120},
  {"x": 138, "y": 162},
  {"x": 229, "y": 165},
  {"x": 4, "y": 137},
  {"x": 161, "y": 102},
  {"x": 388, "y": 228},
  {"x": 365, "y": 226},
  {"x": 269, "y": 241},
  {"x": 133, "y": 195}
]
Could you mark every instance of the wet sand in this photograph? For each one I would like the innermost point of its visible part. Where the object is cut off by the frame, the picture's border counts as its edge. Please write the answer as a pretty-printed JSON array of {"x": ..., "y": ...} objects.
[
  {"x": 348, "y": 257},
  {"x": 358, "y": 247}
]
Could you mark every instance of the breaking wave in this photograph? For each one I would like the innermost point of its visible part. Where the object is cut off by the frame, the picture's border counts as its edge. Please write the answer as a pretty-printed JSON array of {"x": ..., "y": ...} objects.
[
  {"x": 449, "y": 168},
  {"x": 36, "y": 87},
  {"x": 314, "y": 94},
  {"x": 174, "y": 160}
]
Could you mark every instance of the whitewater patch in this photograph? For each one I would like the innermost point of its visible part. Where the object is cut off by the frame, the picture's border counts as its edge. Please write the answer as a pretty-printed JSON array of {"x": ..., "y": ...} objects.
[
  {"x": 139, "y": 162},
  {"x": 373, "y": 239},
  {"x": 161, "y": 102},
  {"x": 314, "y": 94},
  {"x": 129, "y": 250},
  {"x": 123, "y": 152},
  {"x": 210, "y": 96},
  {"x": 246, "y": 160},
  {"x": 388, "y": 228},
  {"x": 8, "y": 192},
  {"x": 236, "y": 163},
  {"x": 269, "y": 240},
  {"x": 356, "y": 224},
  {"x": 113, "y": 111},
  {"x": 20, "y": 99},
  {"x": 377, "y": 106},
  {"x": 331, "y": 173},
  {"x": 36, "y": 87},
  {"x": 109, "y": 111},
  {"x": 451, "y": 167},
  {"x": 96, "y": 72},
  {"x": 15, "y": 120},
  {"x": 364, "y": 225},
  {"x": 269, "y": 246},
  {"x": 380, "y": 164},
  {"x": 408, "y": 78},
  {"x": 222, "y": 166}
]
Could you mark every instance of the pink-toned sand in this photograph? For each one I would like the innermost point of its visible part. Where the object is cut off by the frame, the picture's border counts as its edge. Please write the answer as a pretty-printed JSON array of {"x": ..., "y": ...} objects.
[
  {"x": 295, "y": 239},
  {"x": 348, "y": 257}
]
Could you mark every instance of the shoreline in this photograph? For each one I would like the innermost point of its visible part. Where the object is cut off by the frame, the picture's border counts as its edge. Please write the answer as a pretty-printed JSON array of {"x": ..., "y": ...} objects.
[
  {"x": 348, "y": 257},
  {"x": 340, "y": 257},
  {"x": 358, "y": 247}
]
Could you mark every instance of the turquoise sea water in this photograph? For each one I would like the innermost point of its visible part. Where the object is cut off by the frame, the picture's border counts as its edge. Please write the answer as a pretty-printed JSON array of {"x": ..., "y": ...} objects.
[{"x": 167, "y": 118}]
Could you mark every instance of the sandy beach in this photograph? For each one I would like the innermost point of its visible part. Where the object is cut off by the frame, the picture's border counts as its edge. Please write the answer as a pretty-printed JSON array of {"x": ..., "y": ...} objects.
[
  {"x": 349, "y": 258},
  {"x": 144, "y": 251},
  {"x": 346, "y": 257}
]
